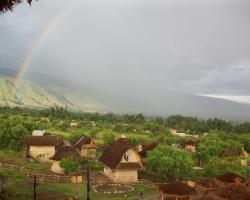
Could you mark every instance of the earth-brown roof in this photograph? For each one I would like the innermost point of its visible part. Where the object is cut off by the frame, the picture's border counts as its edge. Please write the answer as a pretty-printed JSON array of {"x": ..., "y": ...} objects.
[
  {"x": 231, "y": 152},
  {"x": 112, "y": 156},
  {"x": 190, "y": 142},
  {"x": 231, "y": 178},
  {"x": 176, "y": 188},
  {"x": 83, "y": 141},
  {"x": 129, "y": 165},
  {"x": 43, "y": 141},
  {"x": 147, "y": 147},
  {"x": 65, "y": 151}
]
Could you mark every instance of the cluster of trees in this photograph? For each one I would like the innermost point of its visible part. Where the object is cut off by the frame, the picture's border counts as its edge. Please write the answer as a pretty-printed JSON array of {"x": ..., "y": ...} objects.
[
  {"x": 125, "y": 123},
  {"x": 13, "y": 129}
]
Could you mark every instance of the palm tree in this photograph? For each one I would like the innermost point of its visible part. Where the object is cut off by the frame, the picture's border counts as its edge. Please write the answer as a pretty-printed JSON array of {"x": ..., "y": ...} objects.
[{"x": 8, "y": 5}]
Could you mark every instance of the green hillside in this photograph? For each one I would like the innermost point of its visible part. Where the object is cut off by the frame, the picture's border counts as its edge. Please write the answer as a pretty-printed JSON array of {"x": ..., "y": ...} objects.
[{"x": 32, "y": 95}]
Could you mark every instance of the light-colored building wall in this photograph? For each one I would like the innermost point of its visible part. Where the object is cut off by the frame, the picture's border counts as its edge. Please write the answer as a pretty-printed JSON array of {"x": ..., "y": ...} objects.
[
  {"x": 90, "y": 153},
  {"x": 134, "y": 156},
  {"x": 126, "y": 175},
  {"x": 190, "y": 148},
  {"x": 121, "y": 175},
  {"x": 42, "y": 153}
]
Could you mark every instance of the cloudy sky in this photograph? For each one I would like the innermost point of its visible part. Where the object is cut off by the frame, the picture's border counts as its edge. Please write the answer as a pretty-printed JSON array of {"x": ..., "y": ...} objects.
[{"x": 192, "y": 46}]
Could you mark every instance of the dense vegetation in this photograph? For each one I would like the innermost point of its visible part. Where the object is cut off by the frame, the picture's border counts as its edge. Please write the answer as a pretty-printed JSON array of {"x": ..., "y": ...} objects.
[{"x": 15, "y": 123}]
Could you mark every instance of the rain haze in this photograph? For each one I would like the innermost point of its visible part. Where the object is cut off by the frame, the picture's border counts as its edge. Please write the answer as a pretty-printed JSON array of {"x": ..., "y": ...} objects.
[{"x": 150, "y": 56}]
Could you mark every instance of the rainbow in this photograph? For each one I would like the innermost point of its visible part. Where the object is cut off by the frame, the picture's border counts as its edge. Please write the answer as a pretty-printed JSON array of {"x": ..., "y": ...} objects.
[{"x": 35, "y": 46}]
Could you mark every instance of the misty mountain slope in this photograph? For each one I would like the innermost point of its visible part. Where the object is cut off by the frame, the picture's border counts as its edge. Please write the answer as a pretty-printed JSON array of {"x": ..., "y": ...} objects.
[
  {"x": 39, "y": 91},
  {"x": 32, "y": 95}
]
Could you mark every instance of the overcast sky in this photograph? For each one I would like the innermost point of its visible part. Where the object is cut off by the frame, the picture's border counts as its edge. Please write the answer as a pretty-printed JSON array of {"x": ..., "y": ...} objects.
[{"x": 194, "y": 46}]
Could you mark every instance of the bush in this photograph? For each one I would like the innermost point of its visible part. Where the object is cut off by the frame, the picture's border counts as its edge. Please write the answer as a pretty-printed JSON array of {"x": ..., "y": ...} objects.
[{"x": 69, "y": 165}]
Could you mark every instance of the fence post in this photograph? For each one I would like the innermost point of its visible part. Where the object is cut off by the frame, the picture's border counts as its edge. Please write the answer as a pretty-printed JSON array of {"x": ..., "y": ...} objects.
[{"x": 34, "y": 187}]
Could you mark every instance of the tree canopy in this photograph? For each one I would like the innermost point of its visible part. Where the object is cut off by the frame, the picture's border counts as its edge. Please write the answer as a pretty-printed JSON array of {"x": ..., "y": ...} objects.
[{"x": 170, "y": 163}]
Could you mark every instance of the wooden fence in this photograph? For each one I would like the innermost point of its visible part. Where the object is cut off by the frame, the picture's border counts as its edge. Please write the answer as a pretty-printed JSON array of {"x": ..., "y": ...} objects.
[{"x": 67, "y": 178}]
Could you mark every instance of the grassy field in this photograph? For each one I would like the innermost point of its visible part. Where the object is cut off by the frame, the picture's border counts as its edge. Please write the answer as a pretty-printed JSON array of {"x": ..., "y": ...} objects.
[
  {"x": 18, "y": 158},
  {"x": 17, "y": 186}
]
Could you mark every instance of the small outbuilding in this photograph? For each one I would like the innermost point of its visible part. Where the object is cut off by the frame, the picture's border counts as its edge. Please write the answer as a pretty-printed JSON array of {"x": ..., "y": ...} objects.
[
  {"x": 65, "y": 151},
  {"x": 121, "y": 162},
  {"x": 230, "y": 152},
  {"x": 86, "y": 147},
  {"x": 190, "y": 145},
  {"x": 145, "y": 148},
  {"x": 176, "y": 191},
  {"x": 42, "y": 148}
]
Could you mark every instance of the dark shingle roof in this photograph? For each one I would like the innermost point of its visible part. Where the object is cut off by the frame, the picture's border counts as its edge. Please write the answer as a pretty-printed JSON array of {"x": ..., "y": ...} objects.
[
  {"x": 112, "y": 156},
  {"x": 65, "y": 151},
  {"x": 176, "y": 188},
  {"x": 43, "y": 141}
]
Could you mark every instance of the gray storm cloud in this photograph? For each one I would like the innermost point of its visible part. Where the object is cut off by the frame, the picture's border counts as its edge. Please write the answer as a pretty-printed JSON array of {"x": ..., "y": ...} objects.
[{"x": 136, "y": 46}]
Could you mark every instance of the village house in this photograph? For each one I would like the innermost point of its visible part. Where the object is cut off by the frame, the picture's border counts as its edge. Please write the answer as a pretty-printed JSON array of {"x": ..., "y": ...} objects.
[
  {"x": 65, "y": 151},
  {"x": 145, "y": 148},
  {"x": 190, "y": 145},
  {"x": 41, "y": 148},
  {"x": 121, "y": 162},
  {"x": 176, "y": 191},
  {"x": 86, "y": 147}
]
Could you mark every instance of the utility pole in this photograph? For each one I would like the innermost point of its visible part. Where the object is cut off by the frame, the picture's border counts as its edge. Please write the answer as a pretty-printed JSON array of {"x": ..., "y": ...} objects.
[
  {"x": 34, "y": 188},
  {"x": 88, "y": 183}
]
